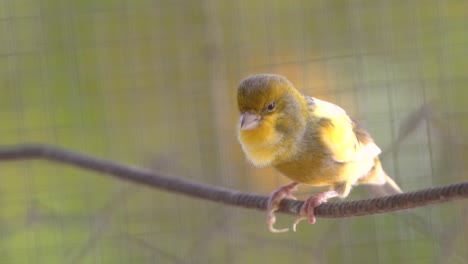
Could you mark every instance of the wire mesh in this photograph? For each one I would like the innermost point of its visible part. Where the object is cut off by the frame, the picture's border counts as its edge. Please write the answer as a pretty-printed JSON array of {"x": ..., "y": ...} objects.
[{"x": 153, "y": 84}]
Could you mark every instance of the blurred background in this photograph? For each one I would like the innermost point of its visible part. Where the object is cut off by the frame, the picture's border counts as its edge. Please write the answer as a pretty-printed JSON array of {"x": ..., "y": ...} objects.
[{"x": 153, "y": 84}]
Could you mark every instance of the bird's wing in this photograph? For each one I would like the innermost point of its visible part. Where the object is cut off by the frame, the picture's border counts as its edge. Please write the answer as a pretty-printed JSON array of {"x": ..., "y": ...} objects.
[{"x": 343, "y": 136}]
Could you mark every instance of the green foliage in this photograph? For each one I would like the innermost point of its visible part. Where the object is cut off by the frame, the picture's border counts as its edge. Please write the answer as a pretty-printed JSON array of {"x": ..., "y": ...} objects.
[{"x": 130, "y": 81}]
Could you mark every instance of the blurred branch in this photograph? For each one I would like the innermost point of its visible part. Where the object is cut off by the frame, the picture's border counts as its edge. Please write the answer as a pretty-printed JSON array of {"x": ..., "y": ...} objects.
[
  {"x": 402, "y": 201},
  {"x": 101, "y": 222},
  {"x": 153, "y": 250}
]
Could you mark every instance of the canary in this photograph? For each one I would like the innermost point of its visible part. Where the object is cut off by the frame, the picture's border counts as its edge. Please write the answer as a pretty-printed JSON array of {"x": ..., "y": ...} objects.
[{"x": 308, "y": 140}]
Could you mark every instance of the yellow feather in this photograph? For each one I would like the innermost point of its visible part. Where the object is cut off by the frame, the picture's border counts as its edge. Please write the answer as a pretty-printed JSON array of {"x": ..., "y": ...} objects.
[{"x": 308, "y": 140}]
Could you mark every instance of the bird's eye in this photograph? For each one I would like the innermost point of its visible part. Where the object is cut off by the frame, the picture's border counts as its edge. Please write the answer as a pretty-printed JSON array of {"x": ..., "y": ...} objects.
[{"x": 271, "y": 106}]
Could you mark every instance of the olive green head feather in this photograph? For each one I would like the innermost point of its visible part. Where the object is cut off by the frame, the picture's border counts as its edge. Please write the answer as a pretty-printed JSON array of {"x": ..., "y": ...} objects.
[{"x": 271, "y": 99}]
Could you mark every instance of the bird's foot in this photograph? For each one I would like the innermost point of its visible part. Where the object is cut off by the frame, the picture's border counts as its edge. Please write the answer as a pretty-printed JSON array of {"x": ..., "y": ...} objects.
[
  {"x": 307, "y": 209},
  {"x": 274, "y": 201}
]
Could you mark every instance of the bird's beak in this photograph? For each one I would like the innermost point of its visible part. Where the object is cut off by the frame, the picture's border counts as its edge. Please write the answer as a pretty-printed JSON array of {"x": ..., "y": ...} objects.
[{"x": 249, "y": 121}]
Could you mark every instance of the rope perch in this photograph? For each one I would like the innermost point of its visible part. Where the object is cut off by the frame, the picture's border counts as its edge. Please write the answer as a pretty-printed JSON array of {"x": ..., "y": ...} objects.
[{"x": 384, "y": 204}]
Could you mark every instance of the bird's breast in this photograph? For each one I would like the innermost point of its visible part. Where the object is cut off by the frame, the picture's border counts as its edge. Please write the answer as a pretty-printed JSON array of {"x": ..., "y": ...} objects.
[
  {"x": 316, "y": 170},
  {"x": 261, "y": 145}
]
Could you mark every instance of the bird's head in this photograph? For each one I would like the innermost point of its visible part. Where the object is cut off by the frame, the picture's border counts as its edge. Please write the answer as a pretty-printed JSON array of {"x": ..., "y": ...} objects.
[{"x": 271, "y": 111}]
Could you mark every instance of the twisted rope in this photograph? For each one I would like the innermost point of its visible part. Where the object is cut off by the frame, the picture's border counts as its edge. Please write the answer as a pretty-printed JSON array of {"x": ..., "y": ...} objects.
[{"x": 402, "y": 201}]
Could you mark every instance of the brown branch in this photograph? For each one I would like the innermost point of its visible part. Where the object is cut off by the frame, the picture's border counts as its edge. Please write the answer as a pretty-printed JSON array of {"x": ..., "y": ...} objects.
[{"x": 402, "y": 201}]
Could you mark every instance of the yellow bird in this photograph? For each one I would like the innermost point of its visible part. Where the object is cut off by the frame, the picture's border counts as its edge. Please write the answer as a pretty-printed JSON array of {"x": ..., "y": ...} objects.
[{"x": 308, "y": 140}]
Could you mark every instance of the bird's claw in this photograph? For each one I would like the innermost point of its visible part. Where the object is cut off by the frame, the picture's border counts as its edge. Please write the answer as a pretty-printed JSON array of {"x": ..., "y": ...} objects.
[
  {"x": 299, "y": 219},
  {"x": 308, "y": 208},
  {"x": 273, "y": 204},
  {"x": 271, "y": 219}
]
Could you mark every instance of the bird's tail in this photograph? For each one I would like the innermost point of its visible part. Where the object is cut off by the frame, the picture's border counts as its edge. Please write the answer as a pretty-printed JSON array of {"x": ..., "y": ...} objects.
[
  {"x": 392, "y": 186},
  {"x": 388, "y": 188},
  {"x": 380, "y": 183}
]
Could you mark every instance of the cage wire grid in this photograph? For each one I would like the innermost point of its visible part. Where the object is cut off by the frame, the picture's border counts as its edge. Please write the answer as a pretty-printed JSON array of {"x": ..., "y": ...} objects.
[{"x": 153, "y": 84}]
